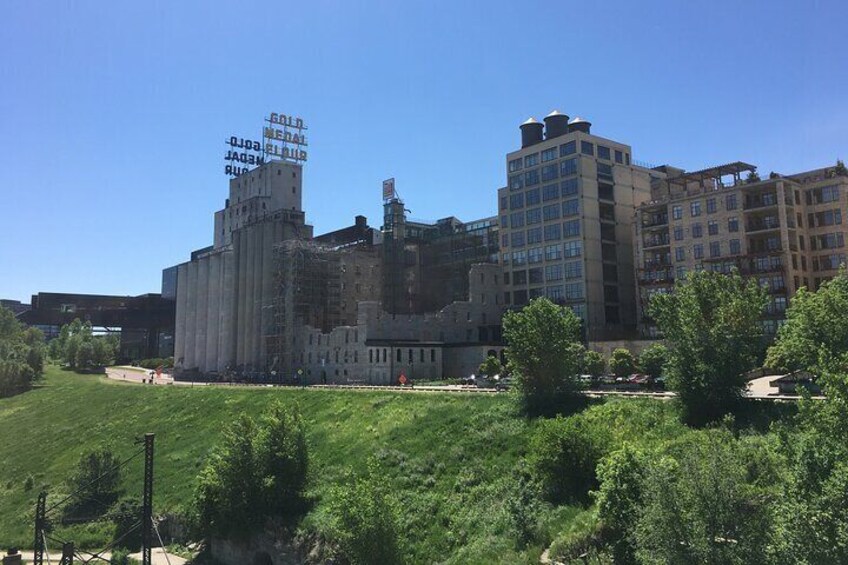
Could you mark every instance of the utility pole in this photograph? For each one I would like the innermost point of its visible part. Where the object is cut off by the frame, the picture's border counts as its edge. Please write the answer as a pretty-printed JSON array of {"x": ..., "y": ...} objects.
[
  {"x": 38, "y": 546},
  {"x": 147, "y": 502}
]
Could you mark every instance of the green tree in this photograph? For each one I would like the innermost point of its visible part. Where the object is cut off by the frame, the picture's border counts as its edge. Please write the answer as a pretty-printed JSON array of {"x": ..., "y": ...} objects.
[
  {"x": 22, "y": 353},
  {"x": 365, "y": 521},
  {"x": 490, "y": 366},
  {"x": 95, "y": 485},
  {"x": 621, "y": 362},
  {"x": 543, "y": 352},
  {"x": 653, "y": 359},
  {"x": 711, "y": 321},
  {"x": 593, "y": 363},
  {"x": 257, "y": 472},
  {"x": 619, "y": 499},
  {"x": 815, "y": 328},
  {"x": 752, "y": 177}
]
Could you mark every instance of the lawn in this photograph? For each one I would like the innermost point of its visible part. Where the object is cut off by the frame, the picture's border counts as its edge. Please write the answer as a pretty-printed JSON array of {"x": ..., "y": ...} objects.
[{"x": 451, "y": 458}]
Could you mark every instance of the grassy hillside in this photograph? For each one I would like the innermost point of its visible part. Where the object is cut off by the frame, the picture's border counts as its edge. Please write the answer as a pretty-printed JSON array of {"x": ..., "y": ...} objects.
[{"x": 451, "y": 458}]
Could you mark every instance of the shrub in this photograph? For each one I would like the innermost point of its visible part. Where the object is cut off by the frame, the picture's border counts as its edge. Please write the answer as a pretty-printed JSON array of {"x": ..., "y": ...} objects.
[
  {"x": 619, "y": 499},
  {"x": 126, "y": 515},
  {"x": 621, "y": 362},
  {"x": 564, "y": 453},
  {"x": 365, "y": 523},
  {"x": 593, "y": 363},
  {"x": 653, "y": 359}
]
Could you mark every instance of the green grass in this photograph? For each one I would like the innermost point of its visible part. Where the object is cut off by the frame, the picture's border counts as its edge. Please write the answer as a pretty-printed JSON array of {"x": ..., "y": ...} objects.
[{"x": 450, "y": 458}]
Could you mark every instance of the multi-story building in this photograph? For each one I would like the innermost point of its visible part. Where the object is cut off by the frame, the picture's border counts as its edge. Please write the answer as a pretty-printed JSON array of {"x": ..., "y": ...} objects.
[
  {"x": 786, "y": 231},
  {"x": 566, "y": 219}
]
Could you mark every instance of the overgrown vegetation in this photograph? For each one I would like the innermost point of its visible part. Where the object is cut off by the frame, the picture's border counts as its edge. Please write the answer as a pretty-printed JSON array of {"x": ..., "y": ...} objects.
[{"x": 21, "y": 354}]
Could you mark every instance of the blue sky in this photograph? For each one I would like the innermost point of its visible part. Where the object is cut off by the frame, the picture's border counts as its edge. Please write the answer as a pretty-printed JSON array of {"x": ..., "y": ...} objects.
[{"x": 113, "y": 115}]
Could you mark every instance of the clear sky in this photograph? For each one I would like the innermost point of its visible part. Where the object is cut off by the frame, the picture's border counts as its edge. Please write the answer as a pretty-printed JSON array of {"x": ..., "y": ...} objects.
[{"x": 113, "y": 115}]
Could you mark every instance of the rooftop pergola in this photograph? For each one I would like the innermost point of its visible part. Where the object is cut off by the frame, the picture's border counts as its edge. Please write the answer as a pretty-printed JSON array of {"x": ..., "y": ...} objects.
[{"x": 714, "y": 173}]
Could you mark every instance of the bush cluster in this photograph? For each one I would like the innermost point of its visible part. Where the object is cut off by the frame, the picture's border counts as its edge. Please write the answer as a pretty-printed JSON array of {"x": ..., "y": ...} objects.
[
  {"x": 155, "y": 363},
  {"x": 21, "y": 354}
]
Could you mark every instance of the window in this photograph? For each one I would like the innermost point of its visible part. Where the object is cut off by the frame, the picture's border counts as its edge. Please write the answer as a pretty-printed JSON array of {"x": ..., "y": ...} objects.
[
  {"x": 531, "y": 177},
  {"x": 572, "y": 248},
  {"x": 534, "y": 216},
  {"x": 503, "y": 202},
  {"x": 532, "y": 196},
  {"x": 619, "y": 158},
  {"x": 536, "y": 293},
  {"x": 519, "y": 277},
  {"x": 711, "y": 205},
  {"x": 571, "y": 207},
  {"x": 569, "y": 148},
  {"x": 517, "y": 219},
  {"x": 587, "y": 148},
  {"x": 550, "y": 192},
  {"x": 515, "y": 165},
  {"x": 504, "y": 221},
  {"x": 712, "y": 227},
  {"x": 550, "y": 212},
  {"x": 554, "y": 293},
  {"x": 552, "y": 232},
  {"x": 606, "y": 192},
  {"x": 549, "y": 154},
  {"x": 569, "y": 187},
  {"x": 735, "y": 247},
  {"x": 553, "y": 272},
  {"x": 553, "y": 252},
  {"x": 534, "y": 235},
  {"x": 571, "y": 228},
  {"x": 516, "y": 201},
  {"x": 695, "y": 208},
  {"x": 678, "y": 233},
  {"x": 574, "y": 269},
  {"x": 504, "y": 240},
  {"x": 733, "y": 225},
  {"x": 715, "y": 249},
  {"x": 574, "y": 291},
  {"x": 549, "y": 172},
  {"x": 535, "y": 275},
  {"x": 679, "y": 254},
  {"x": 518, "y": 239},
  {"x": 519, "y": 258},
  {"x": 531, "y": 160},
  {"x": 677, "y": 212},
  {"x": 515, "y": 182},
  {"x": 568, "y": 167},
  {"x": 603, "y": 152},
  {"x": 697, "y": 251},
  {"x": 730, "y": 202},
  {"x": 697, "y": 230},
  {"x": 534, "y": 255}
]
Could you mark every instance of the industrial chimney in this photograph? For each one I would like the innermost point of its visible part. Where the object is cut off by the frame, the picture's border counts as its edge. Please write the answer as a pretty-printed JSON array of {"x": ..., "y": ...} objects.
[
  {"x": 556, "y": 124},
  {"x": 531, "y": 133}
]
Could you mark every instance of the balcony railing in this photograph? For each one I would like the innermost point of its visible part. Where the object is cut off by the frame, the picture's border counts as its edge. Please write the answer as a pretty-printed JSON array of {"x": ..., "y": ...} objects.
[
  {"x": 763, "y": 224},
  {"x": 761, "y": 201},
  {"x": 656, "y": 240}
]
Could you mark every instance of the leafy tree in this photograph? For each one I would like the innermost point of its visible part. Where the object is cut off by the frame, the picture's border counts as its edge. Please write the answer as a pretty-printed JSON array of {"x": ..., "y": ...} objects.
[
  {"x": 621, "y": 362},
  {"x": 564, "y": 453},
  {"x": 257, "y": 472},
  {"x": 839, "y": 169},
  {"x": 95, "y": 485},
  {"x": 543, "y": 352},
  {"x": 815, "y": 327},
  {"x": 22, "y": 353},
  {"x": 125, "y": 514},
  {"x": 752, "y": 177},
  {"x": 593, "y": 363},
  {"x": 653, "y": 359},
  {"x": 79, "y": 348},
  {"x": 490, "y": 367},
  {"x": 711, "y": 321},
  {"x": 619, "y": 499},
  {"x": 365, "y": 521}
]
